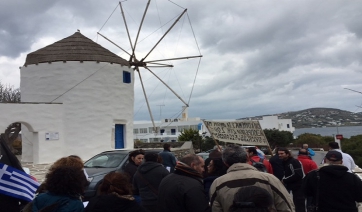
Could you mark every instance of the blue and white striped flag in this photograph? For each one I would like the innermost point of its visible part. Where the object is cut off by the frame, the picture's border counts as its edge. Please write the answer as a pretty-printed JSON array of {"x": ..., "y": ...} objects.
[{"x": 16, "y": 183}]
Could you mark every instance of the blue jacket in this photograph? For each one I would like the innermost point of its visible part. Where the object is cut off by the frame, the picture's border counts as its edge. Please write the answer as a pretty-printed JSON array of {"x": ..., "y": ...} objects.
[
  {"x": 310, "y": 152},
  {"x": 168, "y": 159},
  {"x": 67, "y": 203}
]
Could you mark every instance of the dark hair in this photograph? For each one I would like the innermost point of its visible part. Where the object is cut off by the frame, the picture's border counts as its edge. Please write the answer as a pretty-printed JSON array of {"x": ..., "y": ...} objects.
[
  {"x": 166, "y": 146},
  {"x": 285, "y": 150},
  {"x": 115, "y": 182},
  {"x": 134, "y": 154},
  {"x": 333, "y": 145},
  {"x": 151, "y": 156},
  {"x": 215, "y": 154},
  {"x": 252, "y": 199},
  {"x": 219, "y": 167},
  {"x": 190, "y": 158},
  {"x": 65, "y": 180},
  {"x": 253, "y": 150},
  {"x": 68, "y": 161}
]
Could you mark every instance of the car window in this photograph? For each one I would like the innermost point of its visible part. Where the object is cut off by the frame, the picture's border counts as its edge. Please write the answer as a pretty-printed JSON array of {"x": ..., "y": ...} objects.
[{"x": 105, "y": 160}]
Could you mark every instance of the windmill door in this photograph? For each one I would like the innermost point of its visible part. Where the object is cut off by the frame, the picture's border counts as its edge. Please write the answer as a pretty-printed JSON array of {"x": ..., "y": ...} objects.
[{"x": 119, "y": 136}]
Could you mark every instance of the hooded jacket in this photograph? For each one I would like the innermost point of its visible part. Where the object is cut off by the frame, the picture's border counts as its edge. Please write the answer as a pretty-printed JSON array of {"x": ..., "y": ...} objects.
[
  {"x": 113, "y": 203},
  {"x": 147, "y": 179},
  {"x": 183, "y": 191},
  {"x": 339, "y": 190},
  {"x": 224, "y": 188},
  {"x": 307, "y": 163}
]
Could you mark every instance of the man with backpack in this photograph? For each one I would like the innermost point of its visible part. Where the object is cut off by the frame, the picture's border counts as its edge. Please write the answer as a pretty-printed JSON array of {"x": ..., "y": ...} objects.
[
  {"x": 240, "y": 175},
  {"x": 261, "y": 164}
]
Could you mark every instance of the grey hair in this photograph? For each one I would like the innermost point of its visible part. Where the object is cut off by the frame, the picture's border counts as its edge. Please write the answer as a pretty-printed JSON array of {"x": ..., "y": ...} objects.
[{"x": 234, "y": 154}]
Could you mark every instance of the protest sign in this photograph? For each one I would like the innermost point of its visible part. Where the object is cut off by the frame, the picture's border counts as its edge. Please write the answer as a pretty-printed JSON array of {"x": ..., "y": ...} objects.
[{"x": 241, "y": 132}]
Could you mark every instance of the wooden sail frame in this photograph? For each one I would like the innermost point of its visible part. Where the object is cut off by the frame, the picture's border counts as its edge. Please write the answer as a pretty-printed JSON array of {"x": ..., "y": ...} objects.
[{"x": 136, "y": 64}]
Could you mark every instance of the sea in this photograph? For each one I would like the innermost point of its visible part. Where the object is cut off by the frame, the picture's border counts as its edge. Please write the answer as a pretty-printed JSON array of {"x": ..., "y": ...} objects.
[{"x": 347, "y": 132}]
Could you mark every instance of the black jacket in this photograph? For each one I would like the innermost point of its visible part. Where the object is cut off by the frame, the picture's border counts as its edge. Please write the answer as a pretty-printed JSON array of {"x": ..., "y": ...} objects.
[
  {"x": 338, "y": 189},
  {"x": 277, "y": 164},
  {"x": 181, "y": 192},
  {"x": 293, "y": 173},
  {"x": 130, "y": 169},
  {"x": 147, "y": 179},
  {"x": 112, "y": 203}
]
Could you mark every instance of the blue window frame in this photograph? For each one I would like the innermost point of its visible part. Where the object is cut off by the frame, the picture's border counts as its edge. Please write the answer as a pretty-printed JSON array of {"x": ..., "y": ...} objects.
[{"x": 126, "y": 77}]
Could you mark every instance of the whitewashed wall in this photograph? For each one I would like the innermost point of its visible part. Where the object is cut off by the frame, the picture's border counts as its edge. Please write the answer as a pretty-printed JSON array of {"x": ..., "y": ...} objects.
[
  {"x": 272, "y": 122},
  {"x": 94, "y": 99},
  {"x": 36, "y": 119}
]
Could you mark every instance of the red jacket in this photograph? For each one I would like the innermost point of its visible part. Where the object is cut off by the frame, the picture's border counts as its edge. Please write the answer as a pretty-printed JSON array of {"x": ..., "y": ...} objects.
[
  {"x": 307, "y": 163},
  {"x": 266, "y": 163}
]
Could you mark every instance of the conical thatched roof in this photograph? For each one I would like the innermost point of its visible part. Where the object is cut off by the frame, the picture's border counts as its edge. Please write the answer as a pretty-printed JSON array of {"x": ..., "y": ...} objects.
[{"x": 76, "y": 47}]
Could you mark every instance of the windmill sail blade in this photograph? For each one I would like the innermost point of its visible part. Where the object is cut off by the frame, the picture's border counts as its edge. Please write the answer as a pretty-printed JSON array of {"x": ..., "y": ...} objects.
[
  {"x": 176, "y": 58},
  {"x": 139, "y": 29},
  {"x": 148, "y": 105},
  {"x": 167, "y": 86},
  {"x": 113, "y": 43},
  {"x": 174, "y": 23},
  {"x": 125, "y": 23}
]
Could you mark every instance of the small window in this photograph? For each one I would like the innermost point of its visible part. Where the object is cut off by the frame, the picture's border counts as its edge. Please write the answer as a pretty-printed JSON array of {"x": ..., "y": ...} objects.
[
  {"x": 135, "y": 131},
  {"x": 126, "y": 77},
  {"x": 287, "y": 125}
]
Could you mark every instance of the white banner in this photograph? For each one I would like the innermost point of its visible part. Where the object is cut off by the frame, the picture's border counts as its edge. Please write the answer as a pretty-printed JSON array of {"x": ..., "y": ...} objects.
[{"x": 241, "y": 132}]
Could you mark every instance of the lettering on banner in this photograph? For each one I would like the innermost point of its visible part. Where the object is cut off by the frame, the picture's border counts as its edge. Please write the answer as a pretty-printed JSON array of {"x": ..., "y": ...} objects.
[{"x": 243, "y": 132}]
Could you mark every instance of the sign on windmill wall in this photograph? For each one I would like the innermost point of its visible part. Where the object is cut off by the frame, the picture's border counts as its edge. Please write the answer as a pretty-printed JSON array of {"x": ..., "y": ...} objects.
[{"x": 241, "y": 132}]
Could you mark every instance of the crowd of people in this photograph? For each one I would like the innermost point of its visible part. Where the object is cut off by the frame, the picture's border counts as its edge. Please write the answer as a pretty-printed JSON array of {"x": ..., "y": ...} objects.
[{"x": 234, "y": 179}]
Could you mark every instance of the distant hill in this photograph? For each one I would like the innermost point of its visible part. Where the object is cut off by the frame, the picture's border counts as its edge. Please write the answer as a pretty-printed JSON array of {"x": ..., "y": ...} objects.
[{"x": 318, "y": 117}]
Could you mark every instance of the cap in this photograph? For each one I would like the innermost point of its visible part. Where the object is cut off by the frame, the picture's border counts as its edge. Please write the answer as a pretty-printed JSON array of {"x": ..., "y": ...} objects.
[{"x": 334, "y": 156}]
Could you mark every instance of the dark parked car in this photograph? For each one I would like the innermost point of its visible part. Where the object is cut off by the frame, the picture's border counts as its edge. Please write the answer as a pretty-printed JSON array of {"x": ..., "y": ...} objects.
[{"x": 103, "y": 163}]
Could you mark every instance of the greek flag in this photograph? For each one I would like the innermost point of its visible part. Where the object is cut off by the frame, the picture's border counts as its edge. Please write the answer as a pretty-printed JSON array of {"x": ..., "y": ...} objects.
[{"x": 16, "y": 183}]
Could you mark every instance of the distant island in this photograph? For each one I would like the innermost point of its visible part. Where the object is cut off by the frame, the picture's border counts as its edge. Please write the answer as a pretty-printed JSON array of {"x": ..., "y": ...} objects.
[{"x": 318, "y": 117}]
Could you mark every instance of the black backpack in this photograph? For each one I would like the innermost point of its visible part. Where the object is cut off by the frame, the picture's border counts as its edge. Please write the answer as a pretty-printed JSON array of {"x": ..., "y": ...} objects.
[{"x": 259, "y": 165}]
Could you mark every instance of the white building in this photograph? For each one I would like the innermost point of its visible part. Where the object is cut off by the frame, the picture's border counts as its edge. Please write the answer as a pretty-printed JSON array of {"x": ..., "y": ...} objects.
[
  {"x": 169, "y": 129},
  {"x": 272, "y": 122},
  {"x": 77, "y": 98}
]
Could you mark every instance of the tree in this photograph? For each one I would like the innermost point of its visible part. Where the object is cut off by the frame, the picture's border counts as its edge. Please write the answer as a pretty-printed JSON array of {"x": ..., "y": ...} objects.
[
  {"x": 278, "y": 138},
  {"x": 11, "y": 134},
  {"x": 191, "y": 135},
  {"x": 313, "y": 140},
  {"x": 9, "y": 94}
]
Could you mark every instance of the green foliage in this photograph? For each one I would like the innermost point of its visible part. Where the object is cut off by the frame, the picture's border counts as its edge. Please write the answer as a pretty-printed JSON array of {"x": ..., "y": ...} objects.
[
  {"x": 191, "y": 135},
  {"x": 278, "y": 138},
  {"x": 208, "y": 143},
  {"x": 313, "y": 140},
  {"x": 353, "y": 146}
]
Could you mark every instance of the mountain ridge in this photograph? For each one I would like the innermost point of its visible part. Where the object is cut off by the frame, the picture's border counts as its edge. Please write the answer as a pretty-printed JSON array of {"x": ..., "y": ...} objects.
[{"x": 317, "y": 117}]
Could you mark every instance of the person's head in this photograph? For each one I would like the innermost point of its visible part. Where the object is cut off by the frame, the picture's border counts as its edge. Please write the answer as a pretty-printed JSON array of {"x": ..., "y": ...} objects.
[
  {"x": 65, "y": 180},
  {"x": 252, "y": 151},
  {"x": 151, "y": 157},
  {"x": 115, "y": 182},
  {"x": 215, "y": 153},
  {"x": 284, "y": 153},
  {"x": 333, "y": 145},
  {"x": 305, "y": 146},
  {"x": 68, "y": 161},
  {"x": 136, "y": 157},
  {"x": 194, "y": 161},
  {"x": 167, "y": 146},
  {"x": 334, "y": 158},
  {"x": 234, "y": 154},
  {"x": 252, "y": 199},
  {"x": 216, "y": 167},
  {"x": 303, "y": 152}
]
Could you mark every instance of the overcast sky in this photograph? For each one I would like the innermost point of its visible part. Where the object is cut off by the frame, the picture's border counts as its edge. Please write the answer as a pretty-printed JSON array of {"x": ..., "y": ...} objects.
[{"x": 259, "y": 57}]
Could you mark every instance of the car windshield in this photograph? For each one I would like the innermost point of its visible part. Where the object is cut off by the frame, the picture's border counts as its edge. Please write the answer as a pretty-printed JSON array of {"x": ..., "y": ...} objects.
[{"x": 105, "y": 160}]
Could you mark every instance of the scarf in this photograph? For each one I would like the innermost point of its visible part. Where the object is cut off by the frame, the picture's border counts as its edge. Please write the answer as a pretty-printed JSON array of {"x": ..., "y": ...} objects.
[{"x": 184, "y": 169}]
